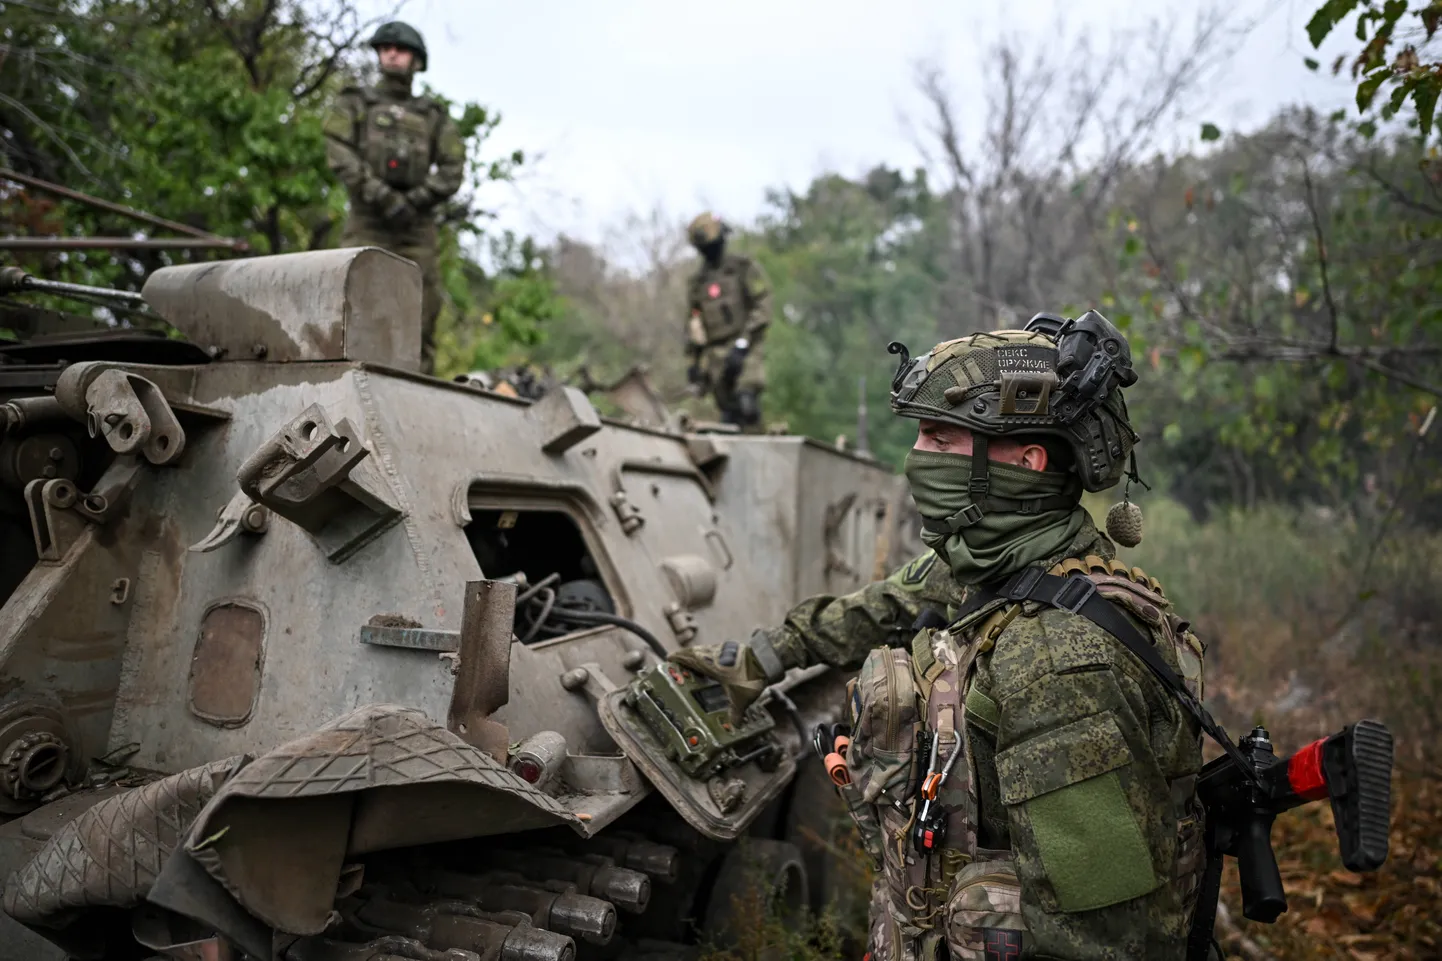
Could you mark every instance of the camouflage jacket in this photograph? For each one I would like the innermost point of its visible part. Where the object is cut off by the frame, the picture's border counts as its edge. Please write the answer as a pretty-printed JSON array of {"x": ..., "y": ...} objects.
[
  {"x": 382, "y": 141},
  {"x": 1085, "y": 764},
  {"x": 729, "y": 300}
]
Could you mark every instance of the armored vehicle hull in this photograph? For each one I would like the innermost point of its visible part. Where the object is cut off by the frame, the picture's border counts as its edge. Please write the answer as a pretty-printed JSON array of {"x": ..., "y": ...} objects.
[{"x": 301, "y": 652}]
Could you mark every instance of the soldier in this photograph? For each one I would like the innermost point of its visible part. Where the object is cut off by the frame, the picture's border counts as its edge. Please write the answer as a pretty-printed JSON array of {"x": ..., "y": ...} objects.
[
  {"x": 730, "y": 305},
  {"x": 1025, "y": 781},
  {"x": 399, "y": 156}
]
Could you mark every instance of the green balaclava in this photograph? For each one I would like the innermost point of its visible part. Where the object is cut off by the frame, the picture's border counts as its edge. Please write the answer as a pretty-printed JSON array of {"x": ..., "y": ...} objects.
[{"x": 1000, "y": 543}]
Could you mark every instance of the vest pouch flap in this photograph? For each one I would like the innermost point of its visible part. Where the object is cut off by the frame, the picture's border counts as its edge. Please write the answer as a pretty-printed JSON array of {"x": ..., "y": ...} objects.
[
  {"x": 1075, "y": 752},
  {"x": 1064, "y": 790}
]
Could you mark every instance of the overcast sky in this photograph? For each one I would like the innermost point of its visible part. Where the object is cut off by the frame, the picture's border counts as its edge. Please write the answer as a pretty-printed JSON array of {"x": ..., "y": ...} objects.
[{"x": 631, "y": 104}]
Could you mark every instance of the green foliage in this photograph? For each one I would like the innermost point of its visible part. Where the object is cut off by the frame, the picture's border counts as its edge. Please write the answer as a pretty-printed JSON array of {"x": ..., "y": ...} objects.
[
  {"x": 854, "y": 265},
  {"x": 1211, "y": 132},
  {"x": 1289, "y": 314},
  {"x": 211, "y": 114},
  {"x": 1396, "y": 53},
  {"x": 498, "y": 317},
  {"x": 1327, "y": 17}
]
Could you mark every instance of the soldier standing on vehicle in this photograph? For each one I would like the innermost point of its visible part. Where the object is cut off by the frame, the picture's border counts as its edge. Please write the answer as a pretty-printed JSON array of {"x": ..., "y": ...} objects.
[
  {"x": 399, "y": 156},
  {"x": 730, "y": 308},
  {"x": 1025, "y": 785}
]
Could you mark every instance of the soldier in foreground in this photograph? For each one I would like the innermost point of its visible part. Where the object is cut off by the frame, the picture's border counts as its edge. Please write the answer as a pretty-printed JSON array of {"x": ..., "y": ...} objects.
[
  {"x": 399, "y": 156},
  {"x": 1025, "y": 785},
  {"x": 730, "y": 309}
]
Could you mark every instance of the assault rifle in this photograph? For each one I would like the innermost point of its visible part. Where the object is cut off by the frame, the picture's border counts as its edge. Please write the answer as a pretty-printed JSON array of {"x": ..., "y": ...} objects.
[{"x": 1243, "y": 792}]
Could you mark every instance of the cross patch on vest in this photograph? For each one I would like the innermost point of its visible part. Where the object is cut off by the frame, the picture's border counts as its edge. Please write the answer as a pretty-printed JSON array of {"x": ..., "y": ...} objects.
[{"x": 1002, "y": 944}]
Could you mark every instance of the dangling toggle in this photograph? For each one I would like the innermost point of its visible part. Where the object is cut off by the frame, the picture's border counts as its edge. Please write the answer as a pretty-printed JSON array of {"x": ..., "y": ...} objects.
[{"x": 1124, "y": 519}]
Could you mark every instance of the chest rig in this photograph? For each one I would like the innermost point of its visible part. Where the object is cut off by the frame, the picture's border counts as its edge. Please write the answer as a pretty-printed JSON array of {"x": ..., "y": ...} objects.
[
  {"x": 396, "y": 139},
  {"x": 914, "y": 789},
  {"x": 721, "y": 294}
]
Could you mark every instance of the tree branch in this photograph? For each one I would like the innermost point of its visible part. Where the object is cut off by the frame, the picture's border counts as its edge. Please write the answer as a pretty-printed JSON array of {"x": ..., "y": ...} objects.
[{"x": 1316, "y": 217}]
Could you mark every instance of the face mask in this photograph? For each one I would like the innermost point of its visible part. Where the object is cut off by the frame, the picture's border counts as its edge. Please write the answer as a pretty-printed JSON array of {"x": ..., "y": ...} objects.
[{"x": 1002, "y": 542}]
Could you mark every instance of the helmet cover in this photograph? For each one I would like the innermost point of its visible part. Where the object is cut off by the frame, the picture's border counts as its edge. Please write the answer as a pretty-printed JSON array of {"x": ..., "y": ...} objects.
[{"x": 1055, "y": 378}]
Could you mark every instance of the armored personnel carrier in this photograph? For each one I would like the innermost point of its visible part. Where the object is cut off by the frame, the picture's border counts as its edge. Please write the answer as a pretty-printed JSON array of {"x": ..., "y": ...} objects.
[{"x": 306, "y": 655}]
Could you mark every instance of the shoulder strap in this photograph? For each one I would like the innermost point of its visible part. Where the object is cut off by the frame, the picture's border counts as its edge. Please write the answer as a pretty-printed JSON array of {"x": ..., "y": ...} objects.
[
  {"x": 360, "y": 124},
  {"x": 976, "y": 600},
  {"x": 1078, "y": 595}
]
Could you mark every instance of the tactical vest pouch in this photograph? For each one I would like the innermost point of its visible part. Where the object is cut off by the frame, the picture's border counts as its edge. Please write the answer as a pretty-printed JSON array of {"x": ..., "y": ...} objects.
[
  {"x": 723, "y": 315},
  {"x": 1191, "y": 854},
  {"x": 868, "y": 825},
  {"x": 397, "y": 145},
  {"x": 887, "y": 717},
  {"x": 910, "y": 913},
  {"x": 888, "y": 938},
  {"x": 983, "y": 910}
]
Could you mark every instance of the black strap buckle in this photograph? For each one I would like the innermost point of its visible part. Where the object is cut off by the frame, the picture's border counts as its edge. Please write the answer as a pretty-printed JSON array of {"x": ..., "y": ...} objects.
[
  {"x": 970, "y": 514},
  {"x": 1021, "y": 584},
  {"x": 1072, "y": 595}
]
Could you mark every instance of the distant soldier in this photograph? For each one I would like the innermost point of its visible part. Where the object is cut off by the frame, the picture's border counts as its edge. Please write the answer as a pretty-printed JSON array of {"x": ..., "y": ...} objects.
[
  {"x": 399, "y": 156},
  {"x": 730, "y": 304}
]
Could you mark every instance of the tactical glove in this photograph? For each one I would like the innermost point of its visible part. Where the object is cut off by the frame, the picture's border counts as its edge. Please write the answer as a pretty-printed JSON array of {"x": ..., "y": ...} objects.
[
  {"x": 735, "y": 360},
  {"x": 744, "y": 670},
  {"x": 421, "y": 198},
  {"x": 398, "y": 210}
]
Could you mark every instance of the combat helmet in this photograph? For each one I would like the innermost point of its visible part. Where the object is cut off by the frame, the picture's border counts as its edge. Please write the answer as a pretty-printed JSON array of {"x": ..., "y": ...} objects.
[
  {"x": 400, "y": 34},
  {"x": 1055, "y": 378},
  {"x": 706, "y": 229}
]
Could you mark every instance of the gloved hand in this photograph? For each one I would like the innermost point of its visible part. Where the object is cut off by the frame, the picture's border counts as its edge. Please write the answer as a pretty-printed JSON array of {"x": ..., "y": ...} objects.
[
  {"x": 735, "y": 359},
  {"x": 398, "y": 210},
  {"x": 695, "y": 376},
  {"x": 744, "y": 670},
  {"x": 421, "y": 198}
]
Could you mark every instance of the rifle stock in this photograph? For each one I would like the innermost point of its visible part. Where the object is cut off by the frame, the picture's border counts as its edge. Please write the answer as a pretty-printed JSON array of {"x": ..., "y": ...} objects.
[{"x": 1352, "y": 768}]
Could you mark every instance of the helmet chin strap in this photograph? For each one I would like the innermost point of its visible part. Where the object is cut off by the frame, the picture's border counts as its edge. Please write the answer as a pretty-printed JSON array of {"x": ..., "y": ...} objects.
[{"x": 980, "y": 472}]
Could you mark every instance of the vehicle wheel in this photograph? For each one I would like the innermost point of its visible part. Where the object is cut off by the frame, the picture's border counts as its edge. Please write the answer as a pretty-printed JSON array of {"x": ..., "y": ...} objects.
[{"x": 757, "y": 873}]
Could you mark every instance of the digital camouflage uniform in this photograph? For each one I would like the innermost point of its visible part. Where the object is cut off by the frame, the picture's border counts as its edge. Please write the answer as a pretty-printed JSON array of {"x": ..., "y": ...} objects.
[
  {"x": 1099, "y": 805},
  {"x": 728, "y": 299},
  {"x": 1072, "y": 829},
  {"x": 399, "y": 156}
]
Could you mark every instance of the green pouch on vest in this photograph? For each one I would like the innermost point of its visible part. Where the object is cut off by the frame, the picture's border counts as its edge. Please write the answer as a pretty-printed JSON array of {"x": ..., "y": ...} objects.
[
  {"x": 1066, "y": 788},
  {"x": 982, "y": 712}
]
